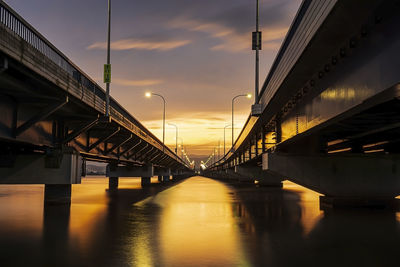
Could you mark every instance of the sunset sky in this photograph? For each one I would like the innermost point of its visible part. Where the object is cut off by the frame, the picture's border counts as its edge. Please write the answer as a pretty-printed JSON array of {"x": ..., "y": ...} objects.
[{"x": 196, "y": 53}]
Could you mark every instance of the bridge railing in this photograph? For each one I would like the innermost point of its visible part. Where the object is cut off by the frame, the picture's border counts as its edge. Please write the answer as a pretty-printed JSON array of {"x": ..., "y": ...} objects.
[{"x": 91, "y": 93}]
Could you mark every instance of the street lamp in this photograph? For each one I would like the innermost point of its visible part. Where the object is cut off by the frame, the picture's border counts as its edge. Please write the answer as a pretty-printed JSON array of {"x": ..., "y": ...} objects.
[
  {"x": 233, "y": 100},
  {"x": 224, "y": 137},
  {"x": 148, "y": 95},
  {"x": 107, "y": 67},
  {"x": 176, "y": 138},
  {"x": 181, "y": 147}
]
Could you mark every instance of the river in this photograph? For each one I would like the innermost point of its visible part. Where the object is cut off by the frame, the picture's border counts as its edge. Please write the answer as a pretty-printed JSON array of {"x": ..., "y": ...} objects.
[{"x": 194, "y": 222}]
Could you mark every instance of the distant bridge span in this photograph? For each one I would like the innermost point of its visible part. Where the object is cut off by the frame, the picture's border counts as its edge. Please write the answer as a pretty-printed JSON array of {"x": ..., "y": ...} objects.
[
  {"x": 330, "y": 106},
  {"x": 52, "y": 119}
]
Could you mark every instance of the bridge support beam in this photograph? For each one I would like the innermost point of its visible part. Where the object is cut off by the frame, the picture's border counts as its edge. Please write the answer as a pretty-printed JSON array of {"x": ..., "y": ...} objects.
[
  {"x": 129, "y": 171},
  {"x": 353, "y": 179},
  {"x": 57, "y": 170},
  {"x": 264, "y": 178},
  {"x": 163, "y": 174}
]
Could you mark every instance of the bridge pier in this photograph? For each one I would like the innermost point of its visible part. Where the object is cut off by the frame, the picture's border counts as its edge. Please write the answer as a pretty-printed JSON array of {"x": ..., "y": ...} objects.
[
  {"x": 114, "y": 172},
  {"x": 345, "y": 180},
  {"x": 113, "y": 183},
  {"x": 163, "y": 174},
  {"x": 57, "y": 194},
  {"x": 145, "y": 181}
]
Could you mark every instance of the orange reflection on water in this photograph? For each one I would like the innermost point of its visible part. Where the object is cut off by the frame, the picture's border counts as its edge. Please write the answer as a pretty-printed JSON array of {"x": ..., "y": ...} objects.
[
  {"x": 140, "y": 245},
  {"x": 88, "y": 205},
  {"x": 398, "y": 213},
  {"x": 197, "y": 225},
  {"x": 311, "y": 213},
  {"x": 22, "y": 209}
]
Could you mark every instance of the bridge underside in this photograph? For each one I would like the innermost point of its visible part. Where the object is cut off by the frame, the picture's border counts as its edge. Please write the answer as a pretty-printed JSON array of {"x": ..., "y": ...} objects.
[
  {"x": 338, "y": 104},
  {"x": 52, "y": 119}
]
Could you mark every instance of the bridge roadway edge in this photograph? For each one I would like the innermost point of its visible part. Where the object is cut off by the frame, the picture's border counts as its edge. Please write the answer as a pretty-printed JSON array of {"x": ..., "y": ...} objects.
[{"x": 370, "y": 126}]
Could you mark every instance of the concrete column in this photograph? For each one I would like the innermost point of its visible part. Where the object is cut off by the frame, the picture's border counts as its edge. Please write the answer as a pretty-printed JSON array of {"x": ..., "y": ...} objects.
[
  {"x": 145, "y": 181},
  {"x": 113, "y": 183},
  {"x": 57, "y": 194}
]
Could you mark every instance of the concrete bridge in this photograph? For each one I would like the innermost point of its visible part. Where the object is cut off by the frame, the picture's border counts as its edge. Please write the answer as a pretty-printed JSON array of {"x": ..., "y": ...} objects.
[
  {"x": 53, "y": 120},
  {"x": 330, "y": 107}
]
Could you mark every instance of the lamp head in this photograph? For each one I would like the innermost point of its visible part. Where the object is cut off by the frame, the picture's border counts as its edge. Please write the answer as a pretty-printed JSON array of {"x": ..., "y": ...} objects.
[
  {"x": 248, "y": 95},
  {"x": 148, "y": 94}
]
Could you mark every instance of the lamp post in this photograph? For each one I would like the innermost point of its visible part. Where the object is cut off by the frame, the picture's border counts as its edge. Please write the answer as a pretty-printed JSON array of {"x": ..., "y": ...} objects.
[
  {"x": 181, "y": 147},
  {"x": 149, "y": 94},
  {"x": 108, "y": 66},
  {"x": 233, "y": 101},
  {"x": 219, "y": 149},
  {"x": 224, "y": 137},
  {"x": 258, "y": 47},
  {"x": 176, "y": 138}
]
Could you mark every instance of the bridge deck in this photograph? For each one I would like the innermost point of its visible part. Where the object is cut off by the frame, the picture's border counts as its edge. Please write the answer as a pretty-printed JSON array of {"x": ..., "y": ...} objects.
[
  {"x": 334, "y": 85},
  {"x": 36, "y": 78}
]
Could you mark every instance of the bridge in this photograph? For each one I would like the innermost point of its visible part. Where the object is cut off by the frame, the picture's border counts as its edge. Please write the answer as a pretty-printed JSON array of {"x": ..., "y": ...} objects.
[
  {"x": 330, "y": 107},
  {"x": 53, "y": 120}
]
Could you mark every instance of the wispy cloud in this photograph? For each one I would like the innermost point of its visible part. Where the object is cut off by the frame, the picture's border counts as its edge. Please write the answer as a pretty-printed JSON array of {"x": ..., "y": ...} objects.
[
  {"x": 137, "y": 83},
  {"x": 231, "y": 39},
  {"x": 141, "y": 44}
]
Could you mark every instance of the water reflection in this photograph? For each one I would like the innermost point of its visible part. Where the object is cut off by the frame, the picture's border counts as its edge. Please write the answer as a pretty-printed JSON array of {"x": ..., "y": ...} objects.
[{"x": 199, "y": 222}]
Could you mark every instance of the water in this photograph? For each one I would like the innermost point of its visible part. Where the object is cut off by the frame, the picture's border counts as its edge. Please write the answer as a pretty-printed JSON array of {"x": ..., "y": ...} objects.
[{"x": 198, "y": 222}]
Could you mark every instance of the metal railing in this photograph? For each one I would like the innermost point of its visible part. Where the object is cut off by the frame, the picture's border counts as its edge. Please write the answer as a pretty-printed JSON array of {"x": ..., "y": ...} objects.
[{"x": 92, "y": 94}]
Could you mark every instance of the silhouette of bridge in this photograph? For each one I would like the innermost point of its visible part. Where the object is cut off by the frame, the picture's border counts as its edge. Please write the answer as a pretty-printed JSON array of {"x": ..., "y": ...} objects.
[
  {"x": 53, "y": 119},
  {"x": 330, "y": 105}
]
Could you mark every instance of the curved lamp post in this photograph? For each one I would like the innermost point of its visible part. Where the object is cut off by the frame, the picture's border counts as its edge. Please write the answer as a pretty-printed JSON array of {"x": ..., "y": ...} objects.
[
  {"x": 233, "y": 101},
  {"x": 148, "y": 95},
  {"x": 224, "y": 137},
  {"x": 176, "y": 138}
]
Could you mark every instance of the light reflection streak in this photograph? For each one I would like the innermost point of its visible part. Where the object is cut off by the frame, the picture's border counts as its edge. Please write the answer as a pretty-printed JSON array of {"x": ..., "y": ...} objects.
[
  {"x": 311, "y": 214},
  {"x": 197, "y": 225},
  {"x": 140, "y": 246},
  {"x": 22, "y": 206}
]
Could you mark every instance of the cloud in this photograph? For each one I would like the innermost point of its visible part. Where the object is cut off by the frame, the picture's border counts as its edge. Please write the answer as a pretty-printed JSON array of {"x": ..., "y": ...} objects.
[
  {"x": 141, "y": 44},
  {"x": 138, "y": 83},
  {"x": 231, "y": 39}
]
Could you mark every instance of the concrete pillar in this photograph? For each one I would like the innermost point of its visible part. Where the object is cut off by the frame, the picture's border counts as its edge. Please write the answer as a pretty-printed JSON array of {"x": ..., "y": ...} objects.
[
  {"x": 165, "y": 178},
  {"x": 57, "y": 194},
  {"x": 113, "y": 183},
  {"x": 145, "y": 181},
  {"x": 160, "y": 178}
]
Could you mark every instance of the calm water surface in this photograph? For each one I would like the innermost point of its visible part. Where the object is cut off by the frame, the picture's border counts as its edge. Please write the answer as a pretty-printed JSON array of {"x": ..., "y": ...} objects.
[{"x": 197, "y": 222}]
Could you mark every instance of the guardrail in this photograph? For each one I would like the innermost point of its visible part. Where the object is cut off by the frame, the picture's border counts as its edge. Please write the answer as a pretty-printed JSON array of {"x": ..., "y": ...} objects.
[{"x": 91, "y": 93}]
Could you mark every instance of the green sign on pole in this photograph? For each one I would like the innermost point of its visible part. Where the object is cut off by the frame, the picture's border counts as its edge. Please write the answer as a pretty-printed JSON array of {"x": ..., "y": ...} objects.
[{"x": 107, "y": 73}]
